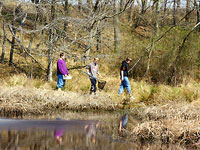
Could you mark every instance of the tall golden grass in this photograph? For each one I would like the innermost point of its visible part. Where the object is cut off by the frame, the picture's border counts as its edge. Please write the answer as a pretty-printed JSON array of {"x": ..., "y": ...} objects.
[{"x": 144, "y": 92}]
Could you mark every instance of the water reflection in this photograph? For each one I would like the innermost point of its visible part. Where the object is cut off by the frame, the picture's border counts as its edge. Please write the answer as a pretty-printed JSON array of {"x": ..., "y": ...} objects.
[
  {"x": 64, "y": 135},
  {"x": 53, "y": 134},
  {"x": 91, "y": 130}
]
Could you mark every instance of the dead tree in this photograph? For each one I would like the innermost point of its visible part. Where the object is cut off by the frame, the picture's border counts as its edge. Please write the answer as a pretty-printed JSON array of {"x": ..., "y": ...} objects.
[
  {"x": 35, "y": 1},
  {"x": 174, "y": 12},
  {"x": 116, "y": 28},
  {"x": 142, "y": 11},
  {"x": 66, "y": 11},
  {"x": 51, "y": 44},
  {"x": 4, "y": 42},
  {"x": 187, "y": 10},
  {"x": 197, "y": 5},
  {"x": 13, "y": 39}
]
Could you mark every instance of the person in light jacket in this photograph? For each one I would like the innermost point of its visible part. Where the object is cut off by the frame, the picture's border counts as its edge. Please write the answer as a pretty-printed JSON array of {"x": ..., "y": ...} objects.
[{"x": 93, "y": 71}]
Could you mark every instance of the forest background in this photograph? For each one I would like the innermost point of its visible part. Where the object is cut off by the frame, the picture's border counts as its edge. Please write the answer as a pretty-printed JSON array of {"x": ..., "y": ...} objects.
[{"x": 161, "y": 36}]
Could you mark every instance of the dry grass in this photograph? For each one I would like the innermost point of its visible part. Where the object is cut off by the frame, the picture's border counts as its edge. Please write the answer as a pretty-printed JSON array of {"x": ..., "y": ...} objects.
[
  {"x": 173, "y": 123},
  {"x": 145, "y": 94},
  {"x": 20, "y": 100}
]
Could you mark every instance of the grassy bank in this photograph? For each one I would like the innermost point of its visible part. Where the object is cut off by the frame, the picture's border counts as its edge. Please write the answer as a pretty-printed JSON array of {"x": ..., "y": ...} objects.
[{"x": 38, "y": 96}]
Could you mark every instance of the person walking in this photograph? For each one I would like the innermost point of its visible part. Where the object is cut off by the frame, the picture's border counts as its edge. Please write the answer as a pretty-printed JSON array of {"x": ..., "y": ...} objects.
[
  {"x": 61, "y": 71},
  {"x": 124, "y": 78},
  {"x": 93, "y": 71}
]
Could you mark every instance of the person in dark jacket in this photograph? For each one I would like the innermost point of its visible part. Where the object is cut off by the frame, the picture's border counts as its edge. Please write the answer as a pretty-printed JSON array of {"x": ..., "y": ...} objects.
[
  {"x": 61, "y": 71},
  {"x": 124, "y": 78}
]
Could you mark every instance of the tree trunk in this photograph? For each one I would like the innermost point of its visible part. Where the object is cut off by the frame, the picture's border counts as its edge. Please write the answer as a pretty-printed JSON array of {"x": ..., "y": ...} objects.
[
  {"x": 99, "y": 40},
  {"x": 131, "y": 12},
  {"x": 66, "y": 14},
  {"x": 178, "y": 4},
  {"x": 80, "y": 5},
  {"x": 157, "y": 11},
  {"x": 187, "y": 10},
  {"x": 174, "y": 12},
  {"x": 51, "y": 39},
  {"x": 164, "y": 12},
  {"x": 4, "y": 42},
  {"x": 116, "y": 28},
  {"x": 144, "y": 4},
  {"x": 143, "y": 9},
  {"x": 197, "y": 5},
  {"x": 12, "y": 43},
  {"x": 121, "y": 4},
  {"x": 198, "y": 15},
  {"x": 91, "y": 38},
  {"x": 90, "y": 4}
]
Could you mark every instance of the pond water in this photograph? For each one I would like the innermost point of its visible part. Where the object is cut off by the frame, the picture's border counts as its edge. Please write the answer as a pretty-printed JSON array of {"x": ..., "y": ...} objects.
[{"x": 68, "y": 131}]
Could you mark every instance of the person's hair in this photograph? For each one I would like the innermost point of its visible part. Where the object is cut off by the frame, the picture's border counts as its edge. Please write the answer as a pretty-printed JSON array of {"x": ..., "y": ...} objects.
[
  {"x": 96, "y": 58},
  {"x": 128, "y": 59},
  {"x": 61, "y": 54}
]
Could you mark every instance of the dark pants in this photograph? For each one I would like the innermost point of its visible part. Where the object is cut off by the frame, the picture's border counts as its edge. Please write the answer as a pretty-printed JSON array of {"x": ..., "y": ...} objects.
[{"x": 93, "y": 85}]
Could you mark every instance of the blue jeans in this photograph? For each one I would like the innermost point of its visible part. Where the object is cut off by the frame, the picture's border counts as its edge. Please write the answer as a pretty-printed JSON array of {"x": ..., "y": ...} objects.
[
  {"x": 125, "y": 84},
  {"x": 93, "y": 85},
  {"x": 60, "y": 81}
]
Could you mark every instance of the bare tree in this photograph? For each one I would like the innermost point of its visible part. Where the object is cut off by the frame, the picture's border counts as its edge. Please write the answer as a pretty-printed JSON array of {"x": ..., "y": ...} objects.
[
  {"x": 4, "y": 42},
  {"x": 157, "y": 11},
  {"x": 198, "y": 15},
  {"x": 121, "y": 4},
  {"x": 197, "y": 5},
  {"x": 13, "y": 39},
  {"x": 90, "y": 3},
  {"x": 142, "y": 11},
  {"x": 187, "y": 10},
  {"x": 1, "y": 6},
  {"x": 35, "y": 1},
  {"x": 66, "y": 14},
  {"x": 80, "y": 5},
  {"x": 116, "y": 27},
  {"x": 174, "y": 12},
  {"x": 178, "y": 4},
  {"x": 51, "y": 43},
  {"x": 131, "y": 11}
]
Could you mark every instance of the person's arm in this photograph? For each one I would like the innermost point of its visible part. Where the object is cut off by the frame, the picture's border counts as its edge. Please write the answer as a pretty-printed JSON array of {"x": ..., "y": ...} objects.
[
  {"x": 88, "y": 69},
  {"x": 122, "y": 75},
  {"x": 122, "y": 72},
  {"x": 67, "y": 72}
]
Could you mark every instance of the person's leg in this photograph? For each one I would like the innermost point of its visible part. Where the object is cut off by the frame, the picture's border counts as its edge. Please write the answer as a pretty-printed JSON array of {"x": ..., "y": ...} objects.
[
  {"x": 64, "y": 82},
  {"x": 93, "y": 85},
  {"x": 121, "y": 88},
  {"x": 127, "y": 85},
  {"x": 60, "y": 82}
]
